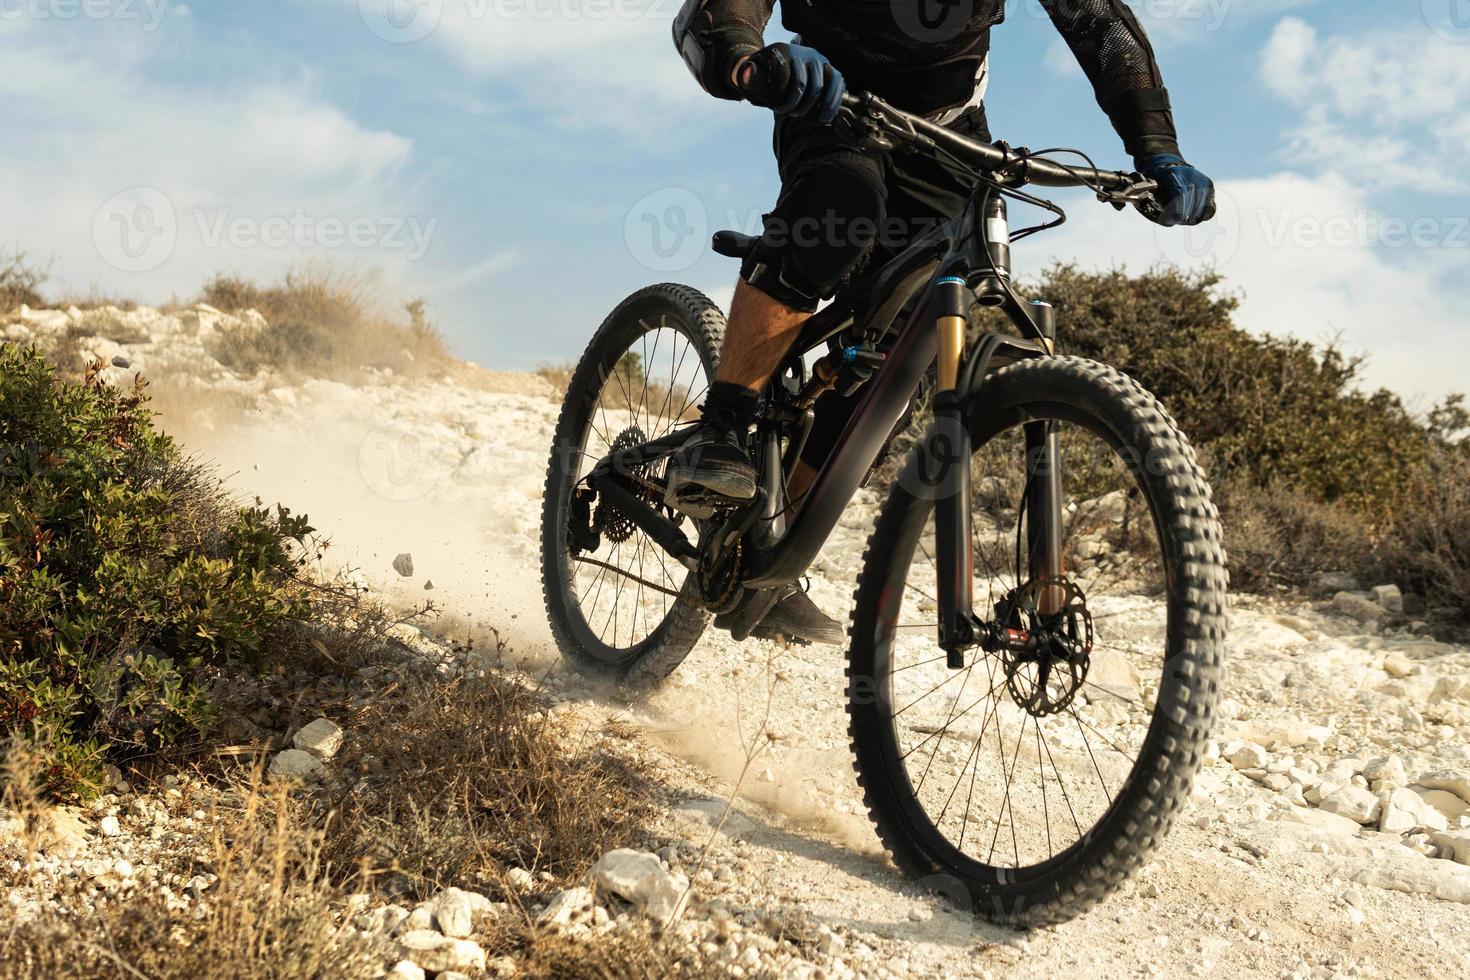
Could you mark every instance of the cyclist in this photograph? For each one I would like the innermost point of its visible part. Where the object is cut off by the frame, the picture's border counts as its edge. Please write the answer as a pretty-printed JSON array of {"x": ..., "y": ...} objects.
[{"x": 840, "y": 206}]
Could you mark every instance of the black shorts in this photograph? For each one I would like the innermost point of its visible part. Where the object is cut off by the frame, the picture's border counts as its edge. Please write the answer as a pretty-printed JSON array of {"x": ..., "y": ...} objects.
[{"x": 841, "y": 208}]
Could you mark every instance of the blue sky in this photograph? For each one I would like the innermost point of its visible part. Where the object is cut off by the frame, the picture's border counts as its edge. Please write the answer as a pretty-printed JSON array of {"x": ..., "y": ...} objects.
[{"x": 510, "y": 160}]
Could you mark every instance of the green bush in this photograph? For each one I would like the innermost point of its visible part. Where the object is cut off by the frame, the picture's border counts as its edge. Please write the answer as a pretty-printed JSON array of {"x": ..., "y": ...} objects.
[
  {"x": 1313, "y": 473},
  {"x": 127, "y": 579}
]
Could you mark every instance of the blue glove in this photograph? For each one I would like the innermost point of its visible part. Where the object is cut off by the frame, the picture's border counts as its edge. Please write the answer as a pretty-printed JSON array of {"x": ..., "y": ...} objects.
[
  {"x": 793, "y": 80},
  {"x": 1185, "y": 195}
]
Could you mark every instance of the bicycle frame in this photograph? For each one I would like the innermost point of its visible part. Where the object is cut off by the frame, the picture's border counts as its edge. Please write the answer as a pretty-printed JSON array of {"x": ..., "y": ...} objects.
[{"x": 937, "y": 278}]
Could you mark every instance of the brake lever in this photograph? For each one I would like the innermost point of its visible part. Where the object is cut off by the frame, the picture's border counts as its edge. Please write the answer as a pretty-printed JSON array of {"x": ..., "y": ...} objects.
[{"x": 1139, "y": 194}]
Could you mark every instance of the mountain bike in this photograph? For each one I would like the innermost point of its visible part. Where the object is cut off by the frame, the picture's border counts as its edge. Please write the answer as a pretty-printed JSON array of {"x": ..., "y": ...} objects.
[{"x": 1036, "y": 634}]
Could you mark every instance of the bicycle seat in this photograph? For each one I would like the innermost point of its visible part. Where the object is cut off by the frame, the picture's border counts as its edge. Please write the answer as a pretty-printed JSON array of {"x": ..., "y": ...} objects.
[{"x": 733, "y": 244}]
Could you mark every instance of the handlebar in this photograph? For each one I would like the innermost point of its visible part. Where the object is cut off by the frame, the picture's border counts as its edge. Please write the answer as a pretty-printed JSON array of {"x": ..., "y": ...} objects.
[
  {"x": 764, "y": 82},
  {"x": 1013, "y": 165}
]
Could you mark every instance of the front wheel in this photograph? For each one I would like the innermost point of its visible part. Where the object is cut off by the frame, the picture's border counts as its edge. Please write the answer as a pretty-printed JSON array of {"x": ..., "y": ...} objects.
[
  {"x": 618, "y": 605},
  {"x": 1029, "y": 783}
]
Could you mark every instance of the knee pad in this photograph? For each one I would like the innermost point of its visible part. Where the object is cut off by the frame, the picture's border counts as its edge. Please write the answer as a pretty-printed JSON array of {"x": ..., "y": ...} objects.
[{"x": 824, "y": 225}]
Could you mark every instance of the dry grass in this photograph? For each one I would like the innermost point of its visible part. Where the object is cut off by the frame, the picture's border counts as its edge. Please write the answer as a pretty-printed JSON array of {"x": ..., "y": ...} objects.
[
  {"x": 320, "y": 321},
  {"x": 269, "y": 913},
  {"x": 467, "y": 778}
]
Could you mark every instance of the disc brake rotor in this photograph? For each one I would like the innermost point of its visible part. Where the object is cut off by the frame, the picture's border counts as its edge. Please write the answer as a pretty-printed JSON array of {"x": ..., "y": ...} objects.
[{"x": 1044, "y": 675}]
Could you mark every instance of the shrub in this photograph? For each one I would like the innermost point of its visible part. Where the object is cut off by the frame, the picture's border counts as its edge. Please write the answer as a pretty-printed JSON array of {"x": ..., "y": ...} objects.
[
  {"x": 20, "y": 283},
  {"x": 127, "y": 579},
  {"x": 321, "y": 322}
]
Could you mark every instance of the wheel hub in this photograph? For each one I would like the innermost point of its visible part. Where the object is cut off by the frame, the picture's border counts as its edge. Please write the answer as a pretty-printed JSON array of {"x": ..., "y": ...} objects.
[{"x": 1046, "y": 654}]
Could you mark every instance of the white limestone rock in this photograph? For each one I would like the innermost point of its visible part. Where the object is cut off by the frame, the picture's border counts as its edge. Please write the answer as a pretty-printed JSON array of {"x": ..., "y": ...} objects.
[{"x": 322, "y": 738}]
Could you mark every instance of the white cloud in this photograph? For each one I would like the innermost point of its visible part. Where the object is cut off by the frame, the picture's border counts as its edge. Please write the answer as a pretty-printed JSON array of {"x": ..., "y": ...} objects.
[
  {"x": 102, "y": 116},
  {"x": 1388, "y": 107},
  {"x": 1314, "y": 259}
]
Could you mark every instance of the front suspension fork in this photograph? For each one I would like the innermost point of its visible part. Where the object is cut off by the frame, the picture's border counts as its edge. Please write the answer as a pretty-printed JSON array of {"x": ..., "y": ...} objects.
[
  {"x": 950, "y": 453},
  {"x": 950, "y": 450}
]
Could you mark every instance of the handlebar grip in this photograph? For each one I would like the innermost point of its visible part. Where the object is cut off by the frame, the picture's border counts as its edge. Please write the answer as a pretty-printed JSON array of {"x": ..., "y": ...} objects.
[{"x": 765, "y": 77}]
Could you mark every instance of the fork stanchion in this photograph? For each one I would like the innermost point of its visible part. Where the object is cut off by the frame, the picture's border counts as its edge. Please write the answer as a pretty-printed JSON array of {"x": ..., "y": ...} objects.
[{"x": 950, "y": 446}]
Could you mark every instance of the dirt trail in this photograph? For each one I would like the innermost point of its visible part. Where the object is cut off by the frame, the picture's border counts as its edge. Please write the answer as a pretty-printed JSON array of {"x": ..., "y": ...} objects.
[{"x": 1247, "y": 884}]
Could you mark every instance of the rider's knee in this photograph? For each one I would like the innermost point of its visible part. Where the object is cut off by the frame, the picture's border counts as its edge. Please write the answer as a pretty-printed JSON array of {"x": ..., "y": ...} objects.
[{"x": 821, "y": 230}]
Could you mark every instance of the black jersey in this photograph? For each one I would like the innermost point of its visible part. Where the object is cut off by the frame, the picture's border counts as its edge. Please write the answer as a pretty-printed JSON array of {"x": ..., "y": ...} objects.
[{"x": 926, "y": 56}]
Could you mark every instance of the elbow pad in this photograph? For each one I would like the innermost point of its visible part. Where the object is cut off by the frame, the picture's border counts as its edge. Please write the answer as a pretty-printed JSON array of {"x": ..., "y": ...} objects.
[{"x": 709, "y": 50}]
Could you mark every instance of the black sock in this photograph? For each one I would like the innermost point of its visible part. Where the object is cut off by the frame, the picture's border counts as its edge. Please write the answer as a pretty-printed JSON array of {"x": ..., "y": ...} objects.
[{"x": 730, "y": 406}]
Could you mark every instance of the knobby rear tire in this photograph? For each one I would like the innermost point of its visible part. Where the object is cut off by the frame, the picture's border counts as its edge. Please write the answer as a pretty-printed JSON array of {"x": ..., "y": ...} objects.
[
  {"x": 1196, "y": 582},
  {"x": 648, "y": 662}
]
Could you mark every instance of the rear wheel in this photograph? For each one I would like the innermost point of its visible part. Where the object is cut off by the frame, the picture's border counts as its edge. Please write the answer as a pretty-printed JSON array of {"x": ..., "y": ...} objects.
[
  {"x": 1032, "y": 781},
  {"x": 618, "y": 605}
]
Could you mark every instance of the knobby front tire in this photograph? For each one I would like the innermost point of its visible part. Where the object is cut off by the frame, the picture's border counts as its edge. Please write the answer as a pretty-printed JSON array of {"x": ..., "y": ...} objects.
[{"x": 1157, "y": 564}]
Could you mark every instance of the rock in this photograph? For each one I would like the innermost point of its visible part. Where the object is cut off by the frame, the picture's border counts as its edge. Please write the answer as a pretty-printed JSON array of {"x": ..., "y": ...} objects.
[
  {"x": 1454, "y": 845},
  {"x": 1411, "y": 873},
  {"x": 1352, "y": 802},
  {"x": 1109, "y": 672},
  {"x": 1328, "y": 582},
  {"x": 1387, "y": 769},
  {"x": 436, "y": 954},
  {"x": 322, "y": 738},
  {"x": 108, "y": 826},
  {"x": 1404, "y": 810},
  {"x": 294, "y": 763},
  {"x": 422, "y": 917},
  {"x": 1397, "y": 664},
  {"x": 403, "y": 565},
  {"x": 1358, "y": 607},
  {"x": 567, "y": 908},
  {"x": 1455, "y": 781},
  {"x": 455, "y": 911},
  {"x": 1390, "y": 598},
  {"x": 385, "y": 920},
  {"x": 428, "y": 585},
  {"x": 60, "y": 832},
  {"x": 640, "y": 877},
  {"x": 520, "y": 879},
  {"x": 121, "y": 362},
  {"x": 1445, "y": 802},
  {"x": 1278, "y": 781},
  {"x": 1246, "y": 755},
  {"x": 406, "y": 970}
]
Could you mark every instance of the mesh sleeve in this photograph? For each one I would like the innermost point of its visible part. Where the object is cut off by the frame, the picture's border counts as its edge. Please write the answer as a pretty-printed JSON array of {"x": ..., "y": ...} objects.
[
  {"x": 1114, "y": 52},
  {"x": 726, "y": 30}
]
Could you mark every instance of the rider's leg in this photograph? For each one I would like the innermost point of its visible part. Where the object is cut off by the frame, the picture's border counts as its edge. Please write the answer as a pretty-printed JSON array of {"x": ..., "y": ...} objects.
[{"x": 758, "y": 334}]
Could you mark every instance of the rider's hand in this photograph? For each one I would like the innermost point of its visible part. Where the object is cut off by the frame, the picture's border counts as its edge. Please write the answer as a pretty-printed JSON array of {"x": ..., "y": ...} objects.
[
  {"x": 792, "y": 80},
  {"x": 1185, "y": 195}
]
